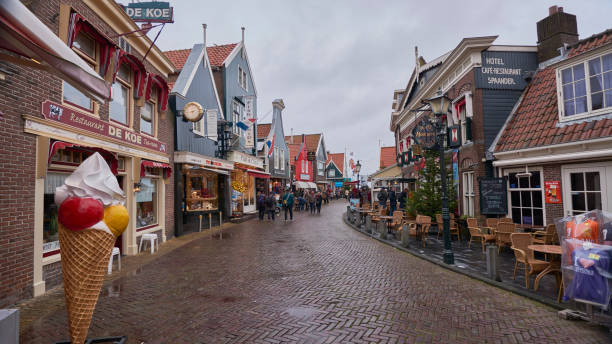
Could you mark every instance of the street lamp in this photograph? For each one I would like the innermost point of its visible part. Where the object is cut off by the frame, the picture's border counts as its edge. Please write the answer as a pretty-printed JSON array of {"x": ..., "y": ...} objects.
[{"x": 440, "y": 105}]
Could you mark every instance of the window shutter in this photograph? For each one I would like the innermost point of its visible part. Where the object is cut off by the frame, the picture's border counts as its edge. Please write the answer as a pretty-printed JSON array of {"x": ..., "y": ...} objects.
[
  {"x": 469, "y": 111},
  {"x": 468, "y": 128},
  {"x": 211, "y": 124}
]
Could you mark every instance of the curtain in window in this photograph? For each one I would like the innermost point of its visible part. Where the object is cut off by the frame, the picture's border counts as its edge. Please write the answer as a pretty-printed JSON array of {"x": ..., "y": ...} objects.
[
  {"x": 107, "y": 48},
  {"x": 154, "y": 79}
]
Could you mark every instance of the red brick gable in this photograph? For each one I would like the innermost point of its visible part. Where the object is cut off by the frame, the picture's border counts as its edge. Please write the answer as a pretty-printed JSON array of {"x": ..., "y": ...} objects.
[
  {"x": 178, "y": 57},
  {"x": 387, "y": 156},
  {"x": 263, "y": 130},
  {"x": 536, "y": 120},
  {"x": 218, "y": 53}
]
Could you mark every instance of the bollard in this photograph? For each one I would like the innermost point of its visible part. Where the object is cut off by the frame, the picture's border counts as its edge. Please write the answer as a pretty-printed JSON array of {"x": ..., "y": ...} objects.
[
  {"x": 220, "y": 225},
  {"x": 405, "y": 235},
  {"x": 200, "y": 228},
  {"x": 9, "y": 325},
  {"x": 368, "y": 224},
  {"x": 492, "y": 263},
  {"x": 210, "y": 221},
  {"x": 381, "y": 230}
]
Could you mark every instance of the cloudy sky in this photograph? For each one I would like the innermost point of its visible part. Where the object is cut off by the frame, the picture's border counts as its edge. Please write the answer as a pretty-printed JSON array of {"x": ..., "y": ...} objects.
[{"x": 336, "y": 63}]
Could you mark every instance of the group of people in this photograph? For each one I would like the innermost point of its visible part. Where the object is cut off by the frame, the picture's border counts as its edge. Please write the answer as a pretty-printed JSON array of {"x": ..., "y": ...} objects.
[
  {"x": 308, "y": 200},
  {"x": 393, "y": 198}
]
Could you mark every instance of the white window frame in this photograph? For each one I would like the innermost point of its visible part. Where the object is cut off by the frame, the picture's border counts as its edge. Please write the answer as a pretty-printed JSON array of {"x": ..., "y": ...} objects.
[
  {"x": 198, "y": 127},
  {"x": 237, "y": 116},
  {"x": 605, "y": 175},
  {"x": 282, "y": 159},
  {"x": 242, "y": 79},
  {"x": 584, "y": 60},
  {"x": 331, "y": 173},
  {"x": 320, "y": 168},
  {"x": 468, "y": 193},
  {"x": 509, "y": 196}
]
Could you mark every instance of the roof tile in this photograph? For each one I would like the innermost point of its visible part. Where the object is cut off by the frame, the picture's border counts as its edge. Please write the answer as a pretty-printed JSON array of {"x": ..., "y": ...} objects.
[
  {"x": 338, "y": 159},
  {"x": 218, "y": 53},
  {"x": 178, "y": 57},
  {"x": 263, "y": 130},
  {"x": 312, "y": 141},
  {"x": 387, "y": 156}
]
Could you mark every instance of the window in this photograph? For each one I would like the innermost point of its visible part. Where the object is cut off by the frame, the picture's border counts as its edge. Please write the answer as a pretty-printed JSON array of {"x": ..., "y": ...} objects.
[
  {"x": 237, "y": 113},
  {"x": 242, "y": 79},
  {"x": 50, "y": 224},
  {"x": 526, "y": 199},
  {"x": 124, "y": 45},
  {"x": 121, "y": 96},
  {"x": 468, "y": 193},
  {"x": 147, "y": 115},
  {"x": 198, "y": 127},
  {"x": 282, "y": 159},
  {"x": 276, "y": 160},
  {"x": 320, "y": 168},
  {"x": 146, "y": 203},
  {"x": 201, "y": 190},
  {"x": 585, "y": 191},
  {"x": 586, "y": 87},
  {"x": 85, "y": 47},
  {"x": 331, "y": 172}
]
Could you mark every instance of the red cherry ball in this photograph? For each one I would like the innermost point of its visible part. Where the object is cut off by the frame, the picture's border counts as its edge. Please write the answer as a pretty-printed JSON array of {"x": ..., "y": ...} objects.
[{"x": 78, "y": 213}]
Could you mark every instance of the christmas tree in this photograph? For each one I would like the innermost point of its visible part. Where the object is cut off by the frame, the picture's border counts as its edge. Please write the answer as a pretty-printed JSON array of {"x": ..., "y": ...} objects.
[{"x": 427, "y": 199}]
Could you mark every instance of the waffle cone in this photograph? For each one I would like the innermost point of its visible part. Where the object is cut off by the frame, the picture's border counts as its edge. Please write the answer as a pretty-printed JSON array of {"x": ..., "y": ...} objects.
[{"x": 85, "y": 256}]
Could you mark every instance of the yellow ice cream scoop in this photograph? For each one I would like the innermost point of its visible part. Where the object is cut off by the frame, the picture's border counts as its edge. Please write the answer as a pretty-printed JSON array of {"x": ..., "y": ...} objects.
[{"x": 116, "y": 218}]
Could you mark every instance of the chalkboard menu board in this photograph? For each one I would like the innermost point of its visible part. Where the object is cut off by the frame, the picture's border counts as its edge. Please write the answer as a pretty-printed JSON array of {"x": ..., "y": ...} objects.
[{"x": 493, "y": 199}]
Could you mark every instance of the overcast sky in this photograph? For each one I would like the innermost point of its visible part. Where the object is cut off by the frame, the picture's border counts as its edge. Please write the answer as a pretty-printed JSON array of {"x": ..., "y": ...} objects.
[{"x": 336, "y": 63}]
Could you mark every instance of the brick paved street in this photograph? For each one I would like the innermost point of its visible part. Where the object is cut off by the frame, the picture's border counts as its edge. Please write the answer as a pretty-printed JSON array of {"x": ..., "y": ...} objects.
[{"x": 313, "y": 280}]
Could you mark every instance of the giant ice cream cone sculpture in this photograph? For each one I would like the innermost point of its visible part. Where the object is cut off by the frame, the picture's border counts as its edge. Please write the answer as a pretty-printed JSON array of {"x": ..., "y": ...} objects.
[{"x": 91, "y": 216}]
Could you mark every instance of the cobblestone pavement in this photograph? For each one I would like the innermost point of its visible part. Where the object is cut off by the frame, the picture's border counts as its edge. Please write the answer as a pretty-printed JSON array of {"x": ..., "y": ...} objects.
[{"x": 313, "y": 280}]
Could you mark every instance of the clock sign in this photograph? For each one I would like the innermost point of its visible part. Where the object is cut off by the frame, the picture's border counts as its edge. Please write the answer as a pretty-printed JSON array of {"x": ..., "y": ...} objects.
[{"x": 193, "y": 112}]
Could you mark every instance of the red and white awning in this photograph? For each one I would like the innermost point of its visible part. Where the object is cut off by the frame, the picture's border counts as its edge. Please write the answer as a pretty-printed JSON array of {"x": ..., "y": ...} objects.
[
  {"x": 24, "y": 34},
  {"x": 154, "y": 164}
]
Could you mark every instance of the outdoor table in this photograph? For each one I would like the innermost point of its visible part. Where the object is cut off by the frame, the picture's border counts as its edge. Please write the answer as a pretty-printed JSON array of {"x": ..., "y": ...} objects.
[
  {"x": 553, "y": 266},
  {"x": 363, "y": 212},
  {"x": 387, "y": 219},
  {"x": 529, "y": 228}
]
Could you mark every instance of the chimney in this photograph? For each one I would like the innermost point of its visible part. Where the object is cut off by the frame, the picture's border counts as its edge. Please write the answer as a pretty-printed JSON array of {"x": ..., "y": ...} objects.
[
  {"x": 303, "y": 138},
  {"x": 204, "y": 36},
  {"x": 554, "y": 31},
  {"x": 242, "y": 28}
]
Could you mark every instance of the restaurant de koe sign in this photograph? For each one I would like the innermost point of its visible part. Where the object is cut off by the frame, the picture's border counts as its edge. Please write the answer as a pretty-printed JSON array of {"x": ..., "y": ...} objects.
[
  {"x": 493, "y": 198},
  {"x": 150, "y": 12}
]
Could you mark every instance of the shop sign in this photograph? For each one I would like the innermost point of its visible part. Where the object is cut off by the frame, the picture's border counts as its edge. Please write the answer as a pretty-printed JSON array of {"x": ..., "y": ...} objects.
[
  {"x": 304, "y": 176},
  {"x": 156, "y": 11},
  {"x": 59, "y": 113},
  {"x": 246, "y": 159},
  {"x": 249, "y": 107},
  {"x": 552, "y": 190},
  {"x": 493, "y": 197},
  {"x": 425, "y": 133},
  {"x": 249, "y": 138},
  {"x": 454, "y": 136},
  {"x": 195, "y": 159},
  {"x": 504, "y": 70}
]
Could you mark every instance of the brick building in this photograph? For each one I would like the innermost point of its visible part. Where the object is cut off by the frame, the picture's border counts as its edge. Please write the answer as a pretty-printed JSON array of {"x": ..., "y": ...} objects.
[
  {"x": 49, "y": 126},
  {"x": 554, "y": 149},
  {"x": 483, "y": 82}
]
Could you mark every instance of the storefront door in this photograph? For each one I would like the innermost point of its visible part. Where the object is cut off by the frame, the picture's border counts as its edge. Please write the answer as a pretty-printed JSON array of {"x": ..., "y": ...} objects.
[{"x": 584, "y": 189}]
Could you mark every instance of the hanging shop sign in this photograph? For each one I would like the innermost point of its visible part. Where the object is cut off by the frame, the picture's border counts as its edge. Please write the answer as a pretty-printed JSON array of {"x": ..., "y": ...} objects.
[
  {"x": 201, "y": 160},
  {"x": 454, "y": 136},
  {"x": 67, "y": 116},
  {"x": 150, "y": 12},
  {"x": 552, "y": 190},
  {"x": 425, "y": 134}
]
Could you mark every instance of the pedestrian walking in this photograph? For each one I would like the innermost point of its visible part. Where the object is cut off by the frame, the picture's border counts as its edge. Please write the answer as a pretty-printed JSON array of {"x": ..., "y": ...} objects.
[
  {"x": 310, "y": 199},
  {"x": 318, "y": 201},
  {"x": 403, "y": 198},
  {"x": 324, "y": 195},
  {"x": 288, "y": 204},
  {"x": 392, "y": 201},
  {"x": 382, "y": 197},
  {"x": 261, "y": 204},
  {"x": 271, "y": 206}
]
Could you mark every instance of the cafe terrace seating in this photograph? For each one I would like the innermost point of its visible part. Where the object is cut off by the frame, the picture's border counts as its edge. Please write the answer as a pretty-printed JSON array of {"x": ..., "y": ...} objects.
[
  {"x": 502, "y": 234},
  {"x": 478, "y": 234},
  {"x": 454, "y": 229},
  {"x": 546, "y": 237},
  {"x": 523, "y": 255},
  {"x": 397, "y": 222}
]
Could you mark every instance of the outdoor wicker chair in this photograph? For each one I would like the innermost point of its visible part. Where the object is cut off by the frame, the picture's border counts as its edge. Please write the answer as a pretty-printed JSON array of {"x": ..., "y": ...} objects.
[
  {"x": 423, "y": 225},
  {"x": 477, "y": 233},
  {"x": 547, "y": 236},
  {"x": 502, "y": 234},
  {"x": 523, "y": 255},
  {"x": 505, "y": 220},
  {"x": 491, "y": 225},
  {"x": 397, "y": 222}
]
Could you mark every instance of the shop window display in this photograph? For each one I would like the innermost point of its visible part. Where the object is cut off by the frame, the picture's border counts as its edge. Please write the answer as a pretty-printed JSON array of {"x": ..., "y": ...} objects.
[
  {"x": 201, "y": 191},
  {"x": 50, "y": 233},
  {"x": 146, "y": 203}
]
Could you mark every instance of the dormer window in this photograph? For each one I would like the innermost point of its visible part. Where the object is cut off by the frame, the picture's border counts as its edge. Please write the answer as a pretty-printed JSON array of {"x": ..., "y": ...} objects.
[{"x": 585, "y": 89}]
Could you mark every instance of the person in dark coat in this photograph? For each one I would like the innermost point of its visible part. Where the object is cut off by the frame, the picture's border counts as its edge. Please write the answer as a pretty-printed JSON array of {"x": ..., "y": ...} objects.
[
  {"x": 382, "y": 197},
  {"x": 261, "y": 205},
  {"x": 318, "y": 201},
  {"x": 403, "y": 198},
  {"x": 288, "y": 199},
  {"x": 392, "y": 202},
  {"x": 271, "y": 206}
]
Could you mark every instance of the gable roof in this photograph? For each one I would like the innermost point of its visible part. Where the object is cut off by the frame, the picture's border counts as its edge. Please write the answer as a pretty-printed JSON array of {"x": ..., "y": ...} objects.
[
  {"x": 294, "y": 151},
  {"x": 178, "y": 57},
  {"x": 263, "y": 130},
  {"x": 337, "y": 159},
  {"x": 535, "y": 123},
  {"x": 217, "y": 54},
  {"x": 387, "y": 157},
  {"x": 312, "y": 141}
]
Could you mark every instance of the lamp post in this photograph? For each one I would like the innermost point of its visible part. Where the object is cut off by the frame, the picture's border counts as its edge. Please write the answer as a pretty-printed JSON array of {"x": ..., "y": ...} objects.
[{"x": 440, "y": 105}]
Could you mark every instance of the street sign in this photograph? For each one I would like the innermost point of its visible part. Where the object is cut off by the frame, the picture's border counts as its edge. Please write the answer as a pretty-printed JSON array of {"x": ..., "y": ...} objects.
[
  {"x": 156, "y": 11},
  {"x": 425, "y": 133}
]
